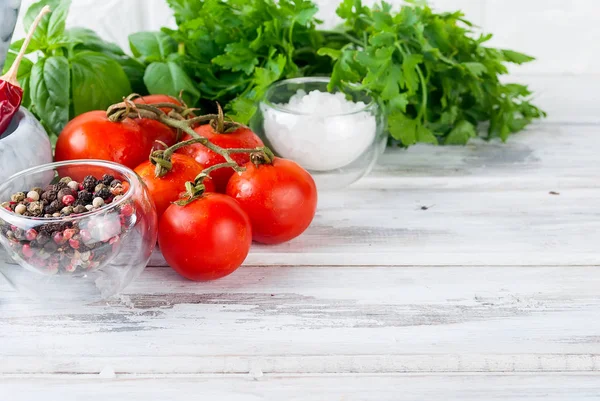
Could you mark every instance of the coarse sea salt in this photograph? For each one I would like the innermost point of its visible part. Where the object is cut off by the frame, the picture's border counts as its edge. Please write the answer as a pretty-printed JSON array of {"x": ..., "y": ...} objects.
[{"x": 322, "y": 131}]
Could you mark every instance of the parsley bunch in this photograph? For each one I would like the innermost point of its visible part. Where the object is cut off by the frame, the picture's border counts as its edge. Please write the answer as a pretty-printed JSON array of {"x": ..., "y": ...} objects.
[
  {"x": 435, "y": 79},
  {"x": 235, "y": 49}
]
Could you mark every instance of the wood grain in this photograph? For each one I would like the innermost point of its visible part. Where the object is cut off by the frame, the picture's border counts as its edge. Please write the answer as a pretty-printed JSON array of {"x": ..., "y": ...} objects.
[
  {"x": 320, "y": 320},
  {"x": 473, "y": 387},
  {"x": 490, "y": 291}
]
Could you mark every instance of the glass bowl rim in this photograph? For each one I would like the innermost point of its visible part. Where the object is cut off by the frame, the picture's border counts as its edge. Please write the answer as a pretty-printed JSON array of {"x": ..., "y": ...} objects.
[
  {"x": 126, "y": 171},
  {"x": 302, "y": 80}
]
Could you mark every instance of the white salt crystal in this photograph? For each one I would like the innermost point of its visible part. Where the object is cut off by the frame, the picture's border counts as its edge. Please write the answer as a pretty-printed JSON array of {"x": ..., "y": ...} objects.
[{"x": 324, "y": 131}]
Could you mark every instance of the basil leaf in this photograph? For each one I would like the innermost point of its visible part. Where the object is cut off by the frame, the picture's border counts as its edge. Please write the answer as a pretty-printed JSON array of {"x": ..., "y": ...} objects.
[
  {"x": 16, "y": 46},
  {"x": 35, "y": 9},
  {"x": 86, "y": 39},
  {"x": 49, "y": 91},
  {"x": 170, "y": 79},
  {"x": 134, "y": 71},
  {"x": 152, "y": 46},
  {"x": 98, "y": 81},
  {"x": 57, "y": 20}
]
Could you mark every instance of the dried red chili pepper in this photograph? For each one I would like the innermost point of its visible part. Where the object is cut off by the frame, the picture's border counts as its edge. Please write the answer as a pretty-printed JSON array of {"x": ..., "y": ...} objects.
[{"x": 11, "y": 93}]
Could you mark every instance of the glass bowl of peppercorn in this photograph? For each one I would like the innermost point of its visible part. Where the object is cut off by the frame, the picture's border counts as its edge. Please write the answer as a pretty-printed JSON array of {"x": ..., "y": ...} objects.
[{"x": 79, "y": 230}]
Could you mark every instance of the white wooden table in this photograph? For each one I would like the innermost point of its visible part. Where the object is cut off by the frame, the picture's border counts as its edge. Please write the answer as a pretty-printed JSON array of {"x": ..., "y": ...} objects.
[{"x": 449, "y": 273}]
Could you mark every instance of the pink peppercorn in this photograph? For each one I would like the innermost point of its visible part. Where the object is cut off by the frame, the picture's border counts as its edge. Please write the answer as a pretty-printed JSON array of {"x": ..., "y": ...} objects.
[
  {"x": 31, "y": 234},
  {"x": 74, "y": 243},
  {"x": 68, "y": 200},
  {"x": 69, "y": 233},
  {"x": 27, "y": 251},
  {"x": 70, "y": 268},
  {"x": 59, "y": 238}
]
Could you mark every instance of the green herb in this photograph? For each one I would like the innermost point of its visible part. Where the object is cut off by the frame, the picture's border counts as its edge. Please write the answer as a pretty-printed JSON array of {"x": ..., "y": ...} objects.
[
  {"x": 75, "y": 70},
  {"x": 435, "y": 79},
  {"x": 232, "y": 51},
  {"x": 432, "y": 75}
]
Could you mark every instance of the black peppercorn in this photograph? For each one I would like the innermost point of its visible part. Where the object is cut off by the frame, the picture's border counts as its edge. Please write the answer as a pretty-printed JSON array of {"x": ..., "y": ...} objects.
[
  {"x": 53, "y": 207},
  {"x": 85, "y": 196},
  {"x": 50, "y": 246},
  {"x": 49, "y": 195},
  {"x": 103, "y": 193},
  {"x": 60, "y": 185},
  {"x": 107, "y": 179},
  {"x": 89, "y": 183},
  {"x": 42, "y": 238}
]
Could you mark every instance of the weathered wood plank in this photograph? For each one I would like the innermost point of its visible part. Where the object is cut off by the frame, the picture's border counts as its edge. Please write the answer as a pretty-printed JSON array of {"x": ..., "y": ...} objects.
[
  {"x": 460, "y": 227},
  {"x": 473, "y": 387},
  {"x": 319, "y": 320},
  {"x": 545, "y": 156}
]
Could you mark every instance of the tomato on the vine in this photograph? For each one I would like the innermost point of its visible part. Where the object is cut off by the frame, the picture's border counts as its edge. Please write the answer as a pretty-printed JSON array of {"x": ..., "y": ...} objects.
[
  {"x": 241, "y": 137},
  {"x": 279, "y": 197},
  {"x": 93, "y": 136},
  {"x": 166, "y": 189},
  {"x": 151, "y": 99},
  {"x": 206, "y": 239}
]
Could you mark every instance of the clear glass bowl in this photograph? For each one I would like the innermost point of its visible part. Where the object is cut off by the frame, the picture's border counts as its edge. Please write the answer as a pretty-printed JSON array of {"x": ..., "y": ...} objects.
[
  {"x": 112, "y": 244},
  {"x": 337, "y": 147}
]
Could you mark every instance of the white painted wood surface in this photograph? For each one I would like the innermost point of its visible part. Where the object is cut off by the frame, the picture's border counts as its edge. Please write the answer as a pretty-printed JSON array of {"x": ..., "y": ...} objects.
[{"x": 490, "y": 293}]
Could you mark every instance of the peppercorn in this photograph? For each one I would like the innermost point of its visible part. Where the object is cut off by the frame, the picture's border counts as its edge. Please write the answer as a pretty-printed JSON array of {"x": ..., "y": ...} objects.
[
  {"x": 89, "y": 183},
  {"x": 49, "y": 195},
  {"x": 85, "y": 196},
  {"x": 33, "y": 195},
  {"x": 99, "y": 187},
  {"x": 107, "y": 179},
  {"x": 17, "y": 197},
  {"x": 103, "y": 193},
  {"x": 35, "y": 208},
  {"x": 42, "y": 238},
  {"x": 73, "y": 185},
  {"x": 115, "y": 183},
  {"x": 98, "y": 202},
  {"x": 68, "y": 200},
  {"x": 53, "y": 207},
  {"x": 78, "y": 209},
  {"x": 31, "y": 234},
  {"x": 59, "y": 185},
  {"x": 64, "y": 192},
  {"x": 20, "y": 209},
  {"x": 67, "y": 210}
]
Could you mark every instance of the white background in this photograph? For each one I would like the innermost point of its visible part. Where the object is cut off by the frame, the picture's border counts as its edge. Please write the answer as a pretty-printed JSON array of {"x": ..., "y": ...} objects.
[{"x": 562, "y": 34}]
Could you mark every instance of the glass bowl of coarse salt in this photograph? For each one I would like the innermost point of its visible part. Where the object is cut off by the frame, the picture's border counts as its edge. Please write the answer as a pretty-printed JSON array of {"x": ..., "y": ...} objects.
[{"x": 337, "y": 136}]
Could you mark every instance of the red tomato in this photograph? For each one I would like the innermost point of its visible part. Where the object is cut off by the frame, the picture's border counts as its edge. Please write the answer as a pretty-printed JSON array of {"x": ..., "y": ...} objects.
[
  {"x": 241, "y": 138},
  {"x": 93, "y": 136},
  {"x": 150, "y": 99},
  {"x": 166, "y": 189},
  {"x": 280, "y": 199},
  {"x": 206, "y": 239}
]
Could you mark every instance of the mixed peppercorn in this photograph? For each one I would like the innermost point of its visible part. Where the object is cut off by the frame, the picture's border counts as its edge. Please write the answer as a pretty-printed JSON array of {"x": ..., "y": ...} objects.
[{"x": 68, "y": 242}]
